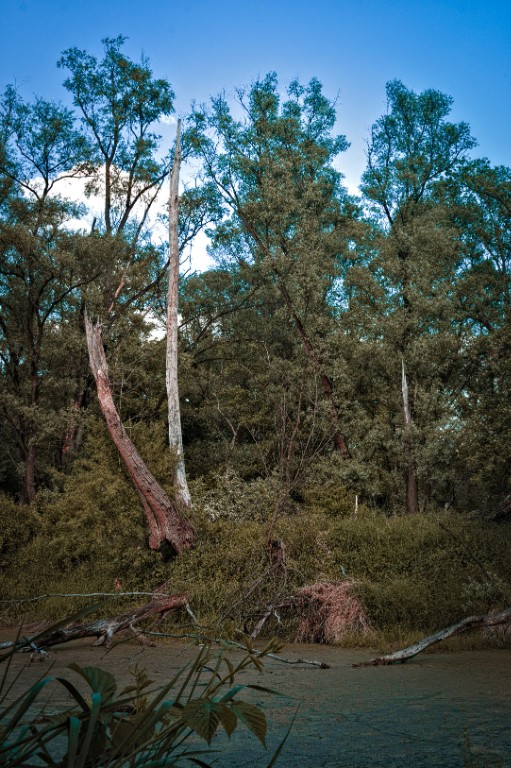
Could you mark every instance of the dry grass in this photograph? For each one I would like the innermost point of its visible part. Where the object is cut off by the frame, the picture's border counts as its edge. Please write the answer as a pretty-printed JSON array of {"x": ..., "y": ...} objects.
[{"x": 329, "y": 611}]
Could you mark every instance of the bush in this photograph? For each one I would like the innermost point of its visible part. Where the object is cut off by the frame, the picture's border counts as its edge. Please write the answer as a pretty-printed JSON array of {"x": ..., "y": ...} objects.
[{"x": 411, "y": 573}]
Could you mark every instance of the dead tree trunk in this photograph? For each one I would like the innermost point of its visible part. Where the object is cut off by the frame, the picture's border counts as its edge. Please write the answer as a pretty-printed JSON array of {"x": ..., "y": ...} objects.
[
  {"x": 102, "y": 629},
  {"x": 182, "y": 494},
  {"x": 166, "y": 522},
  {"x": 471, "y": 622}
]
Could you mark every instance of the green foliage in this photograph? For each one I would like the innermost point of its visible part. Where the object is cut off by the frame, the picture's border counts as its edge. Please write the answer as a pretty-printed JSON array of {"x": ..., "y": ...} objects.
[
  {"x": 411, "y": 573},
  {"x": 138, "y": 726},
  {"x": 228, "y": 496},
  {"x": 19, "y": 524},
  {"x": 92, "y": 530},
  {"x": 414, "y": 575}
]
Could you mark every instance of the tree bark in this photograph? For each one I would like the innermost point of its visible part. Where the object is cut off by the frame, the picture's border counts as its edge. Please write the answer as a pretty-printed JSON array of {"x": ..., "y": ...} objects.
[
  {"x": 412, "y": 489},
  {"x": 166, "y": 522},
  {"x": 181, "y": 491},
  {"x": 103, "y": 629},
  {"x": 465, "y": 625},
  {"x": 29, "y": 474}
]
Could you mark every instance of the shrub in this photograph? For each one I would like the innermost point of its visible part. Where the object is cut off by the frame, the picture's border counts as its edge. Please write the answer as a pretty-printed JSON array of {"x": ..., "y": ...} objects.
[{"x": 140, "y": 726}]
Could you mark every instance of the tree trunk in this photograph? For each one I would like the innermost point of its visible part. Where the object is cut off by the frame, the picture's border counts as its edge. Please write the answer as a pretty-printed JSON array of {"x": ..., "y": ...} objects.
[
  {"x": 103, "y": 629},
  {"x": 465, "y": 625},
  {"x": 29, "y": 475},
  {"x": 71, "y": 442},
  {"x": 412, "y": 490},
  {"x": 328, "y": 390},
  {"x": 166, "y": 522},
  {"x": 182, "y": 494}
]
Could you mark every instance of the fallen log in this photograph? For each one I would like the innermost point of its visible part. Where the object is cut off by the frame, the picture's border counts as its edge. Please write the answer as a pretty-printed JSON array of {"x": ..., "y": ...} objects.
[
  {"x": 102, "y": 629},
  {"x": 465, "y": 625}
]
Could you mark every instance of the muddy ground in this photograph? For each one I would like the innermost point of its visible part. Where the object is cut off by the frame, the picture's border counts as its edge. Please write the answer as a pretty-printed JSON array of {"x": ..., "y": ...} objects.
[{"x": 419, "y": 715}]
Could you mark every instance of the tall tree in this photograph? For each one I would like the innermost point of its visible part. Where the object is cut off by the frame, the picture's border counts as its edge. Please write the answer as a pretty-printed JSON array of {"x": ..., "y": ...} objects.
[
  {"x": 412, "y": 148},
  {"x": 119, "y": 102},
  {"x": 41, "y": 270},
  {"x": 182, "y": 494},
  {"x": 290, "y": 219},
  {"x": 479, "y": 202}
]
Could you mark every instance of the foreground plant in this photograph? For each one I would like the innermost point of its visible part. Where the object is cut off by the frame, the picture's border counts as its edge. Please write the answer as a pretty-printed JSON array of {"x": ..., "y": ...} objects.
[{"x": 138, "y": 726}]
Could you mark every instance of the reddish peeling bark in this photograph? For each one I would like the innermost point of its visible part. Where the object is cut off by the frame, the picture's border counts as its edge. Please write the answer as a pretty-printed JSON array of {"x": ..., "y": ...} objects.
[{"x": 166, "y": 522}]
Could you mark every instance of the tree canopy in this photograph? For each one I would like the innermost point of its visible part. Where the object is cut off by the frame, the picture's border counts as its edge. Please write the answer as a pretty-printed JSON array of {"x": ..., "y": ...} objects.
[{"x": 361, "y": 341}]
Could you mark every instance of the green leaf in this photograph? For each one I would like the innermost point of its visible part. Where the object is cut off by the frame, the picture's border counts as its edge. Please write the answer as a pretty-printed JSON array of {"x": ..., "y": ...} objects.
[
  {"x": 26, "y": 701},
  {"x": 230, "y": 667},
  {"x": 227, "y": 718},
  {"x": 72, "y": 740},
  {"x": 75, "y": 693},
  {"x": 203, "y": 717},
  {"x": 252, "y": 717},
  {"x": 93, "y": 717},
  {"x": 99, "y": 680},
  {"x": 232, "y": 693}
]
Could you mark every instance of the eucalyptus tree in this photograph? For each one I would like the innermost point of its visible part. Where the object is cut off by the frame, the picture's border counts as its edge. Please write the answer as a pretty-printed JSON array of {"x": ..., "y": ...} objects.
[
  {"x": 412, "y": 148},
  {"x": 289, "y": 222}
]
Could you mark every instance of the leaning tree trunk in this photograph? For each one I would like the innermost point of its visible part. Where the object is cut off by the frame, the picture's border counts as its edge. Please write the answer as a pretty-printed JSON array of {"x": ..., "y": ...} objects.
[
  {"x": 181, "y": 492},
  {"x": 166, "y": 522}
]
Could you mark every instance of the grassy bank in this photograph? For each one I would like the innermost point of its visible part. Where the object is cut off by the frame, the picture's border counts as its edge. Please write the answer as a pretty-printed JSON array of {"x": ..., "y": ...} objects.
[{"x": 413, "y": 575}]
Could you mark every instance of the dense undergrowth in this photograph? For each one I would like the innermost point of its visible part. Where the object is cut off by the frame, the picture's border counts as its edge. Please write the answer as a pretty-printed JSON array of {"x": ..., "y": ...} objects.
[{"x": 413, "y": 574}]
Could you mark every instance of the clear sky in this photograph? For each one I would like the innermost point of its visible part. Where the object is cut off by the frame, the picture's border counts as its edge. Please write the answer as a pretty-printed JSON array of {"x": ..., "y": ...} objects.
[{"x": 461, "y": 47}]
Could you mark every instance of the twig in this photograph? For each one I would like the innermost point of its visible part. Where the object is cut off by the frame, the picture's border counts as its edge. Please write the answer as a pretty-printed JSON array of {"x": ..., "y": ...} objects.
[
  {"x": 85, "y": 594},
  {"x": 223, "y": 642}
]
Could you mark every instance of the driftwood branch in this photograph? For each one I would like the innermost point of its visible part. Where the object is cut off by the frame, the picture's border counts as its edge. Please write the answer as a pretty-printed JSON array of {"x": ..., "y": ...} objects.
[
  {"x": 102, "y": 629},
  {"x": 465, "y": 625},
  {"x": 232, "y": 643}
]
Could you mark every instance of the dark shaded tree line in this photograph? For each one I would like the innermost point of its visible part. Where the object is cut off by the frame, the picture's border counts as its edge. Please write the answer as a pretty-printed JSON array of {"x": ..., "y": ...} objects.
[{"x": 359, "y": 342}]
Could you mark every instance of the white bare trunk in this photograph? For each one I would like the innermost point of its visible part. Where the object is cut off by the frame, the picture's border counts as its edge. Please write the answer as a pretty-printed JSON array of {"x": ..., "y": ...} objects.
[
  {"x": 412, "y": 490},
  {"x": 182, "y": 494},
  {"x": 404, "y": 392}
]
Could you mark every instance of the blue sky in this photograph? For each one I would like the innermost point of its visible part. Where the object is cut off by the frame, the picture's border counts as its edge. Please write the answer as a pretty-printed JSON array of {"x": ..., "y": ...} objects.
[{"x": 461, "y": 47}]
